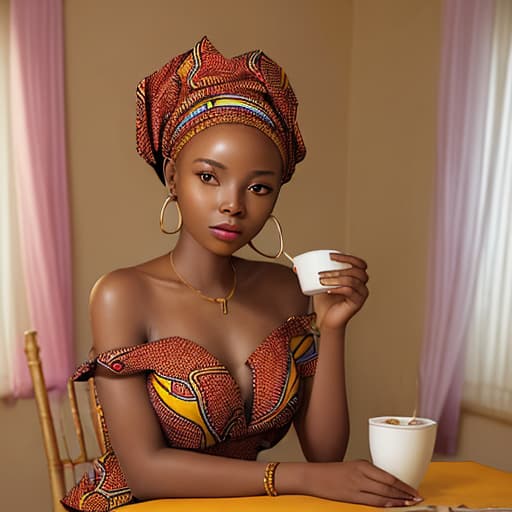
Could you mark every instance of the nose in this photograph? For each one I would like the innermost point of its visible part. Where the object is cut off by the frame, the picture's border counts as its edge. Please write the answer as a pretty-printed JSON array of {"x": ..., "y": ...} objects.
[{"x": 232, "y": 203}]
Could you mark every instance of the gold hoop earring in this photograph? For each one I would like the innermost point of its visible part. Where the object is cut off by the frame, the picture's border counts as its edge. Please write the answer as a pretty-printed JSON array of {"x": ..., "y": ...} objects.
[
  {"x": 281, "y": 241},
  {"x": 170, "y": 199},
  {"x": 166, "y": 158}
]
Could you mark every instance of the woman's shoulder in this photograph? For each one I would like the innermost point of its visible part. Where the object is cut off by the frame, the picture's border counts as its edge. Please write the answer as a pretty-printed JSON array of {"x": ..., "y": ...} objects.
[
  {"x": 278, "y": 282},
  {"x": 128, "y": 283},
  {"x": 267, "y": 270},
  {"x": 117, "y": 306},
  {"x": 117, "y": 287}
]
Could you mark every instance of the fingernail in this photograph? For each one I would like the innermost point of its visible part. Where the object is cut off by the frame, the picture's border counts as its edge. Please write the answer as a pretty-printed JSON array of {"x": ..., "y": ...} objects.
[
  {"x": 418, "y": 498},
  {"x": 388, "y": 504}
]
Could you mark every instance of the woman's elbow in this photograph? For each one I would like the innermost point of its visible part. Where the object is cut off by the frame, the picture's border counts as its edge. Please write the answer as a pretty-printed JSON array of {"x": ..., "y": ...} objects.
[
  {"x": 141, "y": 479},
  {"x": 138, "y": 486}
]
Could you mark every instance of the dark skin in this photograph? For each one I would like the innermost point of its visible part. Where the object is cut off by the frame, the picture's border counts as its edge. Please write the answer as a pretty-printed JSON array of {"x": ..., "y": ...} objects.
[{"x": 231, "y": 174}]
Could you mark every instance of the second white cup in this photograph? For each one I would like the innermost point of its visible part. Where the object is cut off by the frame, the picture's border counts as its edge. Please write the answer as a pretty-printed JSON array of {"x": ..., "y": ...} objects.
[
  {"x": 309, "y": 264},
  {"x": 402, "y": 449}
]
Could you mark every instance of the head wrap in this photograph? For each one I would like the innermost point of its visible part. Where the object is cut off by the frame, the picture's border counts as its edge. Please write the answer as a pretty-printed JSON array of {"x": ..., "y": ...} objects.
[{"x": 201, "y": 88}]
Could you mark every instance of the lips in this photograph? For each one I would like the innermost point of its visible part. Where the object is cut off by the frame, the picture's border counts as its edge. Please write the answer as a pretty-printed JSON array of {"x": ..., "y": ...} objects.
[
  {"x": 227, "y": 227},
  {"x": 225, "y": 231}
]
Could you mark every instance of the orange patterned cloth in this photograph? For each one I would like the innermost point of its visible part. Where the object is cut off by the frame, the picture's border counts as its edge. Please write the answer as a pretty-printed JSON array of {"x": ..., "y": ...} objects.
[
  {"x": 201, "y": 88},
  {"x": 199, "y": 404}
]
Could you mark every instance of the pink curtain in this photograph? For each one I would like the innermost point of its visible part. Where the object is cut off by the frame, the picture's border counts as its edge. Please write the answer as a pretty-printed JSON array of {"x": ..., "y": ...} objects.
[
  {"x": 39, "y": 159},
  {"x": 460, "y": 191}
]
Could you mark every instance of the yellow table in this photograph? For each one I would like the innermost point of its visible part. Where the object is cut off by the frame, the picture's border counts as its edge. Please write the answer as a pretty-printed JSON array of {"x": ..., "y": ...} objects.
[{"x": 446, "y": 483}]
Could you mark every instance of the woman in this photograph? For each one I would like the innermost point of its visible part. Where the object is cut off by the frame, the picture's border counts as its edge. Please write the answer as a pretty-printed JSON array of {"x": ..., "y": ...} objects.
[{"x": 203, "y": 358}]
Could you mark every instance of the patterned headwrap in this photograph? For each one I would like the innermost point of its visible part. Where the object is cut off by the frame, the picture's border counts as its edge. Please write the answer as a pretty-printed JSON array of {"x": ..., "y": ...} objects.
[{"x": 202, "y": 88}]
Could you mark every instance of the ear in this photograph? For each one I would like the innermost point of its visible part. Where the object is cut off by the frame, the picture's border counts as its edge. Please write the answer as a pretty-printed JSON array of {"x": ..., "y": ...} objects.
[{"x": 170, "y": 176}]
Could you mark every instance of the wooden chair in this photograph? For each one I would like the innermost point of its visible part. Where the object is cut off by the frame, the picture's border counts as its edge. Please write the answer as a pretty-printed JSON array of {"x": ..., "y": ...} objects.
[{"x": 57, "y": 465}]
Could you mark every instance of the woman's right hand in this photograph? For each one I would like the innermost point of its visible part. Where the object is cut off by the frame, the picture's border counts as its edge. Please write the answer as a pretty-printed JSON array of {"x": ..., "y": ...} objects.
[{"x": 356, "y": 481}]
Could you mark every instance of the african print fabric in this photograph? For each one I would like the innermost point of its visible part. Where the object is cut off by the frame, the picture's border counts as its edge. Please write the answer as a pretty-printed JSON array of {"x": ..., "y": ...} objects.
[
  {"x": 201, "y": 88},
  {"x": 199, "y": 404}
]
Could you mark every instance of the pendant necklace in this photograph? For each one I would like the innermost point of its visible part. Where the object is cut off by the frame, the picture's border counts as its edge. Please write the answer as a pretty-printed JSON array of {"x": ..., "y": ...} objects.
[{"x": 223, "y": 301}]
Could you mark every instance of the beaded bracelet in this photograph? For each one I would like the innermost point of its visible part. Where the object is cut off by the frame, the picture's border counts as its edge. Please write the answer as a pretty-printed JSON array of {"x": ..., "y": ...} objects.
[{"x": 268, "y": 479}]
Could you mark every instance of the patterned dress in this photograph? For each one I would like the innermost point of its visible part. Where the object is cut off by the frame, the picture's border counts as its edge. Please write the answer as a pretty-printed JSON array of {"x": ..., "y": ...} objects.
[{"x": 199, "y": 404}]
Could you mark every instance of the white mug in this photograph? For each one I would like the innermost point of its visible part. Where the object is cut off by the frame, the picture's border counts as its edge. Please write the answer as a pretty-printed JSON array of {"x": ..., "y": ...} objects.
[
  {"x": 403, "y": 450},
  {"x": 309, "y": 264}
]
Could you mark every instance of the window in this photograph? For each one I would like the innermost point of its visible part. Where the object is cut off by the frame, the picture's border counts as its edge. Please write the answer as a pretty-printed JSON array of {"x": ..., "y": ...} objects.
[
  {"x": 470, "y": 275},
  {"x": 488, "y": 376}
]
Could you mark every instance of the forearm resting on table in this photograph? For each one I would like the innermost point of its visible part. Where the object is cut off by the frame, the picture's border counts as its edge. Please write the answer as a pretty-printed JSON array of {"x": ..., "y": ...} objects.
[
  {"x": 323, "y": 425},
  {"x": 170, "y": 473}
]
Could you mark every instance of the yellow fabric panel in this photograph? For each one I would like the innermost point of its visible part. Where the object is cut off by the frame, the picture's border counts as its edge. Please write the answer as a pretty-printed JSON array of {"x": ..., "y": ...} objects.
[
  {"x": 299, "y": 345},
  {"x": 189, "y": 409},
  {"x": 446, "y": 483}
]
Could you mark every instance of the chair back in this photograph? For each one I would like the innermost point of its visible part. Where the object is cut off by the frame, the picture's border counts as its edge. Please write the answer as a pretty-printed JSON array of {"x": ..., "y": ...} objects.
[{"x": 57, "y": 464}]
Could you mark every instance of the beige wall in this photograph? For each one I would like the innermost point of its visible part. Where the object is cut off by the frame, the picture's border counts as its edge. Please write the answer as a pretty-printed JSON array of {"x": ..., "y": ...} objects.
[
  {"x": 365, "y": 72},
  {"x": 391, "y": 160}
]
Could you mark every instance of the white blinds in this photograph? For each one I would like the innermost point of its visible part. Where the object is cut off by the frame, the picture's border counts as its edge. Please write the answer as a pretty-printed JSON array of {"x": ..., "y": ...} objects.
[{"x": 488, "y": 378}]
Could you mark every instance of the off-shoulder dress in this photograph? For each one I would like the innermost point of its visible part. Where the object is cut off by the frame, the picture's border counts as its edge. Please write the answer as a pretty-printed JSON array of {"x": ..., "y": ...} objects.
[{"x": 198, "y": 403}]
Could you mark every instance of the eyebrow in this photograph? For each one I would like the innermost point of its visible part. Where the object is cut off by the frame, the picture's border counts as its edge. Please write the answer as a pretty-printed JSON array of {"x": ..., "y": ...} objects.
[
  {"x": 214, "y": 163},
  {"x": 208, "y": 161},
  {"x": 263, "y": 173}
]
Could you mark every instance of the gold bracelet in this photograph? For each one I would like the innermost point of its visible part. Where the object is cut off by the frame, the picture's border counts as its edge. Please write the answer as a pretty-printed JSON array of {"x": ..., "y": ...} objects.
[{"x": 268, "y": 479}]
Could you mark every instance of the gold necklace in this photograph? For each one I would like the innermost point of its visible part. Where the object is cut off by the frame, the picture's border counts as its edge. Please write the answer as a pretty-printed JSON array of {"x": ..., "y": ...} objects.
[{"x": 223, "y": 301}]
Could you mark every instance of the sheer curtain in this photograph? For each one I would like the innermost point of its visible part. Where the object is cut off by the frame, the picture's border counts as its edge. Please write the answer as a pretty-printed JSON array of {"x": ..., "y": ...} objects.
[
  {"x": 467, "y": 274},
  {"x": 488, "y": 381},
  {"x": 37, "y": 215},
  {"x": 13, "y": 312}
]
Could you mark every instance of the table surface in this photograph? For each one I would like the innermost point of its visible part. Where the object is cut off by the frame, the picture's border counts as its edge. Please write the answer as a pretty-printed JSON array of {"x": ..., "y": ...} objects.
[{"x": 446, "y": 483}]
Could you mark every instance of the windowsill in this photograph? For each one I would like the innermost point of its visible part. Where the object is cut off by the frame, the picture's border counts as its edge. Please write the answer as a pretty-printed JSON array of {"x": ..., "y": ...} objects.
[{"x": 486, "y": 412}]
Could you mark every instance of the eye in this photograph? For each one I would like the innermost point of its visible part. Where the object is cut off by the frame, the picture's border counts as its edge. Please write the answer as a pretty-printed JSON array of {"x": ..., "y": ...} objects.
[
  {"x": 260, "y": 189},
  {"x": 207, "y": 177}
]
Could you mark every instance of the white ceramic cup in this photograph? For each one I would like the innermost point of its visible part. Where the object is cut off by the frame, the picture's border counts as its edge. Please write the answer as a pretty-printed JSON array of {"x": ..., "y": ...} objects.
[
  {"x": 403, "y": 450},
  {"x": 309, "y": 264}
]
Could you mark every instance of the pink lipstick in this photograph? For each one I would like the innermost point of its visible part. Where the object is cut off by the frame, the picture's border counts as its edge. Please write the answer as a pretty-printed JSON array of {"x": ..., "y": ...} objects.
[{"x": 227, "y": 232}]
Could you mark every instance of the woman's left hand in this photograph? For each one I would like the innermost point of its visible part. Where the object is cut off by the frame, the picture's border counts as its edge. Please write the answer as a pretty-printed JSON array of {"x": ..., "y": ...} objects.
[{"x": 336, "y": 307}]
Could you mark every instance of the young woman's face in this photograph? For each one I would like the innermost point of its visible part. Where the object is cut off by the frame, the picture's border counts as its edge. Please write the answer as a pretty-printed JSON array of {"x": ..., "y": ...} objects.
[{"x": 227, "y": 179}]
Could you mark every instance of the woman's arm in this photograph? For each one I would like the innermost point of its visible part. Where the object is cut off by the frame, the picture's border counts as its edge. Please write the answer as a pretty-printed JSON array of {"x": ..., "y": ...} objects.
[
  {"x": 153, "y": 470},
  {"x": 323, "y": 423}
]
